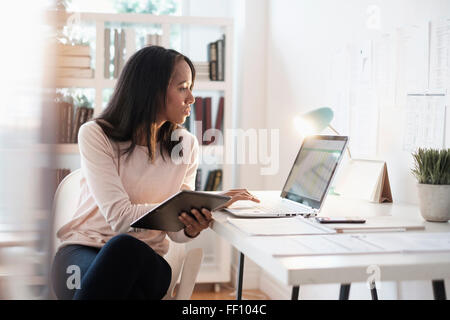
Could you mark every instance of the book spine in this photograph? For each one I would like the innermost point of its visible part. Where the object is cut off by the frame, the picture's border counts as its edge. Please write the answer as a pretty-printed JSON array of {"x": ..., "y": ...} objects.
[
  {"x": 107, "y": 53},
  {"x": 219, "y": 117},
  {"x": 62, "y": 122},
  {"x": 89, "y": 114},
  {"x": 84, "y": 115},
  {"x": 69, "y": 123},
  {"x": 198, "y": 180},
  {"x": 130, "y": 43},
  {"x": 210, "y": 180},
  {"x": 83, "y": 73},
  {"x": 121, "y": 50},
  {"x": 76, "y": 126},
  {"x": 73, "y": 62},
  {"x": 81, "y": 114},
  {"x": 206, "y": 117},
  {"x": 220, "y": 63},
  {"x": 199, "y": 119},
  {"x": 116, "y": 53},
  {"x": 213, "y": 70},
  {"x": 217, "y": 180},
  {"x": 212, "y": 59},
  {"x": 72, "y": 50}
]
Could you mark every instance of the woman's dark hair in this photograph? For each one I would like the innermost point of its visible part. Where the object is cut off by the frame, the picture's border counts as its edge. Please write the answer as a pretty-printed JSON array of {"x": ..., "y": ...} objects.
[{"x": 139, "y": 95}]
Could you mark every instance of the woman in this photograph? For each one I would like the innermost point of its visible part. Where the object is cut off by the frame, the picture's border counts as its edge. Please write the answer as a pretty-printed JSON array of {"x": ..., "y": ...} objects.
[{"x": 127, "y": 167}]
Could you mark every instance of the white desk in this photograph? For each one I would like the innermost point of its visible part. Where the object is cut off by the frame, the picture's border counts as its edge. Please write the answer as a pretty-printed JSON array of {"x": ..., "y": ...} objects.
[{"x": 295, "y": 271}]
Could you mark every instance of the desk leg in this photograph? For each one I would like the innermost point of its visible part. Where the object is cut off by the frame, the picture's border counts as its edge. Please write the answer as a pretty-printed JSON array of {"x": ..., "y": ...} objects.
[
  {"x": 345, "y": 291},
  {"x": 439, "y": 290},
  {"x": 240, "y": 277},
  {"x": 295, "y": 290}
]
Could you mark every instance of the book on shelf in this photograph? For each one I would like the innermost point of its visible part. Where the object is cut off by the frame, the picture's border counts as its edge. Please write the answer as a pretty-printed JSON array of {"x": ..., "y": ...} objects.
[
  {"x": 120, "y": 40},
  {"x": 58, "y": 175},
  {"x": 216, "y": 59},
  {"x": 81, "y": 73},
  {"x": 130, "y": 43},
  {"x": 198, "y": 116},
  {"x": 201, "y": 71},
  {"x": 219, "y": 117},
  {"x": 209, "y": 181},
  {"x": 72, "y": 50},
  {"x": 198, "y": 180},
  {"x": 217, "y": 180},
  {"x": 116, "y": 53},
  {"x": 82, "y": 115},
  {"x": 214, "y": 180},
  {"x": 221, "y": 59},
  {"x": 153, "y": 39},
  {"x": 212, "y": 59},
  {"x": 206, "y": 124},
  {"x": 69, "y": 124},
  {"x": 201, "y": 118},
  {"x": 107, "y": 54},
  {"x": 65, "y": 111},
  {"x": 122, "y": 44},
  {"x": 61, "y": 174},
  {"x": 72, "y": 61}
]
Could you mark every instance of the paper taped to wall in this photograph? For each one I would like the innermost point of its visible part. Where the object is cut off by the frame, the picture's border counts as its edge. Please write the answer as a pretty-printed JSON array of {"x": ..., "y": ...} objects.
[{"x": 424, "y": 121}]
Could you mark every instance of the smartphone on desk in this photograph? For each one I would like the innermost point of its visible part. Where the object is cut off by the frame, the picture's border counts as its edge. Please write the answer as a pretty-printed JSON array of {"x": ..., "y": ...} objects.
[{"x": 340, "y": 220}]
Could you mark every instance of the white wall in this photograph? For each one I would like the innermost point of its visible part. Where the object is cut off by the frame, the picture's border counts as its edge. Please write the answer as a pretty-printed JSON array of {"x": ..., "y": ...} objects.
[{"x": 302, "y": 35}]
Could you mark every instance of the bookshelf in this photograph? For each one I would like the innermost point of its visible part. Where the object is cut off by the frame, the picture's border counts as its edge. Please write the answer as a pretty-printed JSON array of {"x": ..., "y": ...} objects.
[{"x": 217, "y": 253}]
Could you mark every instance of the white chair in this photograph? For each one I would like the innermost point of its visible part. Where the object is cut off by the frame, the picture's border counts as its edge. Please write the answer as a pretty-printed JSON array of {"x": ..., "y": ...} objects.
[{"x": 184, "y": 264}]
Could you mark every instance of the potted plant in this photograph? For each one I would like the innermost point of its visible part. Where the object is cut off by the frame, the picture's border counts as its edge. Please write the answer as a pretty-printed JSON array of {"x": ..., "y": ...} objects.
[{"x": 432, "y": 170}]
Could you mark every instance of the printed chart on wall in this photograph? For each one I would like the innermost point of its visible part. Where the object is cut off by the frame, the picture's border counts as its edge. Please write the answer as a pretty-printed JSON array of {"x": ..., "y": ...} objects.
[
  {"x": 363, "y": 102},
  {"x": 425, "y": 121},
  {"x": 440, "y": 56},
  {"x": 412, "y": 61},
  {"x": 408, "y": 69},
  {"x": 353, "y": 97}
]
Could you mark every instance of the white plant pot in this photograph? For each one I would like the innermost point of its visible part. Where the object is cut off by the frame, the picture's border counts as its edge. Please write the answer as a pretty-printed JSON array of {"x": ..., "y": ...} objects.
[{"x": 434, "y": 202}]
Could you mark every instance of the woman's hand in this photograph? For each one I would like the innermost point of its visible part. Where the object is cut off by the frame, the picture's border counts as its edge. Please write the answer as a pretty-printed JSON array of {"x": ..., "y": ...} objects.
[
  {"x": 196, "y": 221},
  {"x": 236, "y": 195}
]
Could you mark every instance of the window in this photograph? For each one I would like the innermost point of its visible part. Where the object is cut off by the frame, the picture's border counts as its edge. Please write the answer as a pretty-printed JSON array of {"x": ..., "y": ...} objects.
[{"x": 157, "y": 7}]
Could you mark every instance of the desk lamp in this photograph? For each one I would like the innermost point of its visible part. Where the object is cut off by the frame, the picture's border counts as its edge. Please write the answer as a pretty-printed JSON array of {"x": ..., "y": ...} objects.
[{"x": 315, "y": 121}]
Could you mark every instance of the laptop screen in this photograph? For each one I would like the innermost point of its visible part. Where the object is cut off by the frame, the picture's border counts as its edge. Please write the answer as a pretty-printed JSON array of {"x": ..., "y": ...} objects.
[{"x": 313, "y": 169}]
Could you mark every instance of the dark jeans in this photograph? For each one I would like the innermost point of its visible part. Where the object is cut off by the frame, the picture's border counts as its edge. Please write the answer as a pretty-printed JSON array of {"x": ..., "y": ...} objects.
[{"x": 124, "y": 268}]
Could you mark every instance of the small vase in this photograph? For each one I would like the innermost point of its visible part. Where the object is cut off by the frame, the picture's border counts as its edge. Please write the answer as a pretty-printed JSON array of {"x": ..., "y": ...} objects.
[{"x": 434, "y": 202}]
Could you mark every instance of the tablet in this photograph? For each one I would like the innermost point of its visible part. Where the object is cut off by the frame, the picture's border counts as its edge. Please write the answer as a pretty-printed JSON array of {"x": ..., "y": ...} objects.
[{"x": 165, "y": 215}]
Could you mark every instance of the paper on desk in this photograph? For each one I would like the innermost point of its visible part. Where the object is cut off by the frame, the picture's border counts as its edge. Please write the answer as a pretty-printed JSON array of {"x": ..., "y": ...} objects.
[
  {"x": 314, "y": 245},
  {"x": 279, "y": 226},
  {"x": 412, "y": 242},
  {"x": 380, "y": 223},
  {"x": 317, "y": 245}
]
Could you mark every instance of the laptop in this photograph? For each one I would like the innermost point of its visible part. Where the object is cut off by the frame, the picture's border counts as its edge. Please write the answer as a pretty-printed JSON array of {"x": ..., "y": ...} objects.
[{"x": 307, "y": 183}]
